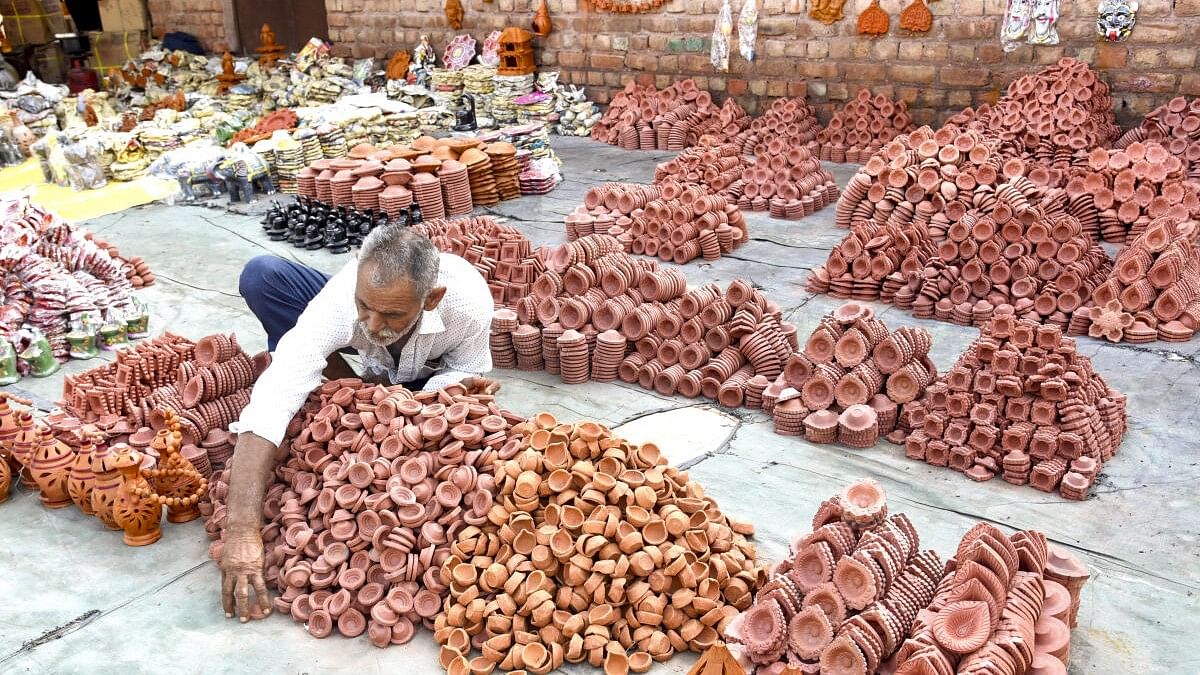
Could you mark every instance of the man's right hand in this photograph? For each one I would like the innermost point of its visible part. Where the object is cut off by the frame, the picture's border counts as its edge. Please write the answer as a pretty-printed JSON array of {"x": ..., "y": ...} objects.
[{"x": 241, "y": 571}]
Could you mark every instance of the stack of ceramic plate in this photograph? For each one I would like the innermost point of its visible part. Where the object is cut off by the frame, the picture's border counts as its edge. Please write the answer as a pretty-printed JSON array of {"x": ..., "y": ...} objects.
[
  {"x": 527, "y": 340},
  {"x": 610, "y": 351},
  {"x": 310, "y": 144},
  {"x": 324, "y": 189},
  {"x": 333, "y": 142},
  {"x": 342, "y": 187},
  {"x": 369, "y": 167},
  {"x": 505, "y": 169},
  {"x": 483, "y": 183},
  {"x": 534, "y": 182},
  {"x": 289, "y": 159},
  {"x": 306, "y": 182},
  {"x": 427, "y": 190},
  {"x": 397, "y": 172},
  {"x": 456, "y": 188},
  {"x": 365, "y": 193},
  {"x": 395, "y": 200},
  {"x": 574, "y": 362}
]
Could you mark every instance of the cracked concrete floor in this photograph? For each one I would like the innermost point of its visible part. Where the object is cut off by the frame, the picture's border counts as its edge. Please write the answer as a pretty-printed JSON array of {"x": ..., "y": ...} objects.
[{"x": 76, "y": 599}]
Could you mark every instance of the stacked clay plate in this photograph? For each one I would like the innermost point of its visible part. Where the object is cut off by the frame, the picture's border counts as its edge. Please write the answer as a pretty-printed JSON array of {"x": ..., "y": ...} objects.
[{"x": 501, "y": 253}]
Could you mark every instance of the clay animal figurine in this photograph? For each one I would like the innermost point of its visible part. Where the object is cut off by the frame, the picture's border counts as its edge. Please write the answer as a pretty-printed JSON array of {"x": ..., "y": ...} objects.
[
  {"x": 826, "y": 11},
  {"x": 541, "y": 21},
  {"x": 1115, "y": 19},
  {"x": 139, "y": 516},
  {"x": 454, "y": 14}
]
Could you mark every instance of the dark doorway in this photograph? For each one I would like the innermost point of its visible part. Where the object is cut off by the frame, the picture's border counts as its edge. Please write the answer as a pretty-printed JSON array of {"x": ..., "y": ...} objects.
[{"x": 294, "y": 22}]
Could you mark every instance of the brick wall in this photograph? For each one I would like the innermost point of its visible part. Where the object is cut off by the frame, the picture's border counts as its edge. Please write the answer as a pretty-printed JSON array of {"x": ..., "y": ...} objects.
[
  {"x": 959, "y": 63},
  {"x": 203, "y": 18}
]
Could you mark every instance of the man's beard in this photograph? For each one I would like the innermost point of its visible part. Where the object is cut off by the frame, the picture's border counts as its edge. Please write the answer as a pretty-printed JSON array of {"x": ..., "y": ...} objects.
[{"x": 385, "y": 337}]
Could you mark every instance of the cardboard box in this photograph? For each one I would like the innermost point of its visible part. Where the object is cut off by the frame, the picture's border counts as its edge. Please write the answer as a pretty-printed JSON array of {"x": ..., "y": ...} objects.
[
  {"x": 32, "y": 22},
  {"x": 111, "y": 49},
  {"x": 49, "y": 63},
  {"x": 123, "y": 15}
]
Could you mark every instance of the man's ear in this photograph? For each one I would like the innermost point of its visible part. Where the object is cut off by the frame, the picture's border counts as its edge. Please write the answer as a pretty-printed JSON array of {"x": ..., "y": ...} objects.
[{"x": 435, "y": 296}]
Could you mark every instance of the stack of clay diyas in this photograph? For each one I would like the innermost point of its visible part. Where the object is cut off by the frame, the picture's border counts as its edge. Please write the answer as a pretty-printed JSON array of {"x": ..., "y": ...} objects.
[
  {"x": 789, "y": 119},
  {"x": 673, "y": 222},
  {"x": 501, "y": 253},
  {"x": 699, "y": 341},
  {"x": 713, "y": 167},
  {"x": 1131, "y": 186},
  {"x": 998, "y": 609},
  {"x": 645, "y": 118},
  {"x": 845, "y": 599},
  {"x": 1021, "y": 403},
  {"x": 479, "y": 175},
  {"x": 1153, "y": 291},
  {"x": 786, "y": 180},
  {"x": 135, "y": 267},
  {"x": 506, "y": 170},
  {"x": 1176, "y": 125},
  {"x": 862, "y": 127},
  {"x": 730, "y": 122},
  {"x": 850, "y": 379},
  {"x": 1054, "y": 116},
  {"x": 596, "y": 550},
  {"x": 375, "y": 485}
]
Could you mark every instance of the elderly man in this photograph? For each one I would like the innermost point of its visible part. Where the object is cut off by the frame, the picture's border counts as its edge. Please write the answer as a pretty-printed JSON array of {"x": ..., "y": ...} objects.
[{"x": 416, "y": 317}]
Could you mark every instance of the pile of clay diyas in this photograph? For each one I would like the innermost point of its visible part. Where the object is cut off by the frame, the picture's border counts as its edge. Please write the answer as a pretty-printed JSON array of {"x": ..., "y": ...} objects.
[
  {"x": 1176, "y": 125},
  {"x": 501, "y": 253},
  {"x": 1054, "y": 116},
  {"x": 730, "y": 122},
  {"x": 1153, "y": 291},
  {"x": 787, "y": 181},
  {"x": 713, "y": 167},
  {"x": 596, "y": 550},
  {"x": 1021, "y": 403},
  {"x": 375, "y": 485},
  {"x": 645, "y": 118},
  {"x": 642, "y": 318},
  {"x": 845, "y": 599},
  {"x": 1131, "y": 186},
  {"x": 850, "y": 379},
  {"x": 671, "y": 221},
  {"x": 1000, "y": 608},
  {"x": 790, "y": 119},
  {"x": 862, "y": 127}
]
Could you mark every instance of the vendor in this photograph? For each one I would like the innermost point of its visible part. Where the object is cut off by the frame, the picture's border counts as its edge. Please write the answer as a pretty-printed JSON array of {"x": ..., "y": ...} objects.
[{"x": 415, "y": 316}]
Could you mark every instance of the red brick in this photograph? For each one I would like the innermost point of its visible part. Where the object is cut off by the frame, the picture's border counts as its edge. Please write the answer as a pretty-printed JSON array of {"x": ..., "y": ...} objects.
[
  {"x": 915, "y": 74},
  {"x": 607, "y": 61},
  {"x": 1160, "y": 83},
  {"x": 1187, "y": 7},
  {"x": 958, "y": 76},
  {"x": 572, "y": 59},
  {"x": 866, "y": 72},
  {"x": 798, "y": 88},
  {"x": 1109, "y": 55},
  {"x": 736, "y": 87},
  {"x": 1189, "y": 83}
]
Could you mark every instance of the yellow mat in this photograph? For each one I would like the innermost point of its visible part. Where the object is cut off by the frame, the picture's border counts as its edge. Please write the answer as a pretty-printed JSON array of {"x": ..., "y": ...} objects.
[{"x": 79, "y": 205}]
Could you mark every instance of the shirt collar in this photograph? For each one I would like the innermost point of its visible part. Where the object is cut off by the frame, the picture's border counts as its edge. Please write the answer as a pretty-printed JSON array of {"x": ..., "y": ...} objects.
[{"x": 431, "y": 322}]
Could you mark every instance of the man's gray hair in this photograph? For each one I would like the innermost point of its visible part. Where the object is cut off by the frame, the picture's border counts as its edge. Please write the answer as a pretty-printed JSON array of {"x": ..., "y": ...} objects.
[{"x": 397, "y": 252}]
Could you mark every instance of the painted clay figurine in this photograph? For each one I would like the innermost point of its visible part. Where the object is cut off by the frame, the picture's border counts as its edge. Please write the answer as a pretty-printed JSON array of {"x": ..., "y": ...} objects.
[
  {"x": 1015, "y": 24},
  {"x": 397, "y": 68},
  {"x": 454, "y": 14},
  {"x": 916, "y": 17},
  {"x": 1043, "y": 22},
  {"x": 1115, "y": 19},
  {"x": 873, "y": 20},
  {"x": 826, "y": 11}
]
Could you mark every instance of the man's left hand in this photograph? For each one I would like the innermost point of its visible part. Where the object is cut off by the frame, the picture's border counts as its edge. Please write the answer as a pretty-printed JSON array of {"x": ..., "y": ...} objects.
[{"x": 481, "y": 385}]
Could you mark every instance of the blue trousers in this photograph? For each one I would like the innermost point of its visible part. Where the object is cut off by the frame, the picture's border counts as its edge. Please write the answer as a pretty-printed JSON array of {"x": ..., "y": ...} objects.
[{"x": 277, "y": 291}]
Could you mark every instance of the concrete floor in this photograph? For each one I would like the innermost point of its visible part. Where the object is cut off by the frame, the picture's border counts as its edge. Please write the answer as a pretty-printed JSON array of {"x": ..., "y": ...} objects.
[{"x": 75, "y": 599}]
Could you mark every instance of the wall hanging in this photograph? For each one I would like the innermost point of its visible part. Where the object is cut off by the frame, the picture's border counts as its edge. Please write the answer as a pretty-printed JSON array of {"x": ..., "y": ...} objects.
[
  {"x": 916, "y": 17},
  {"x": 1043, "y": 22},
  {"x": 541, "y": 21},
  {"x": 454, "y": 14},
  {"x": 720, "y": 38},
  {"x": 873, "y": 20},
  {"x": 826, "y": 11},
  {"x": 635, "y": 7},
  {"x": 490, "y": 56},
  {"x": 1115, "y": 19},
  {"x": 748, "y": 29},
  {"x": 1031, "y": 21}
]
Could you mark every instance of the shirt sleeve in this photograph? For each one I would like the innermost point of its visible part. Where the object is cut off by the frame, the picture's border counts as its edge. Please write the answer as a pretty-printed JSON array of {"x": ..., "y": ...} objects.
[
  {"x": 472, "y": 356},
  {"x": 323, "y": 328}
]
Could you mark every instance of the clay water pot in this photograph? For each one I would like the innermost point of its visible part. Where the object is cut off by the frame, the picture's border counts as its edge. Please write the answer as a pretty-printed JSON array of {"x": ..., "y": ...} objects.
[{"x": 82, "y": 479}]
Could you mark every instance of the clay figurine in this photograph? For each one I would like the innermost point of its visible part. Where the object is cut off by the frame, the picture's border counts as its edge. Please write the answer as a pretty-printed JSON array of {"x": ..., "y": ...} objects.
[
  {"x": 175, "y": 483},
  {"x": 140, "y": 517},
  {"x": 454, "y": 14},
  {"x": 50, "y": 467},
  {"x": 423, "y": 60},
  {"x": 1115, "y": 19},
  {"x": 1044, "y": 20},
  {"x": 826, "y": 11},
  {"x": 541, "y": 21},
  {"x": 1015, "y": 23},
  {"x": 8, "y": 364},
  {"x": 39, "y": 356},
  {"x": 397, "y": 67},
  {"x": 268, "y": 51},
  {"x": 873, "y": 20},
  {"x": 228, "y": 77},
  {"x": 916, "y": 17}
]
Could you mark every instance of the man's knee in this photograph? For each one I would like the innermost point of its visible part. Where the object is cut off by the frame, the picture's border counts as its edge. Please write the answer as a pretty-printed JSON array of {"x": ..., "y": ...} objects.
[{"x": 260, "y": 275}]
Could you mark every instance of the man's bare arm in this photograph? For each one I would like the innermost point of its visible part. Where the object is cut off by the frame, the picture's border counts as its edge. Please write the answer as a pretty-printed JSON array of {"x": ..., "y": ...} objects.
[{"x": 242, "y": 553}]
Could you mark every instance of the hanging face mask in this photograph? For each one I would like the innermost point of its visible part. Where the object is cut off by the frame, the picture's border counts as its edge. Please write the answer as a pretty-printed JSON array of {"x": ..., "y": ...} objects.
[{"x": 1115, "y": 19}]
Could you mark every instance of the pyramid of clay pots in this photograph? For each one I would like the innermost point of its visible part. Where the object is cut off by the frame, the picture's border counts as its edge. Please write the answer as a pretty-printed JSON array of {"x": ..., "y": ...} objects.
[
  {"x": 1021, "y": 403},
  {"x": 786, "y": 180},
  {"x": 847, "y": 383},
  {"x": 998, "y": 609},
  {"x": 501, "y": 253},
  {"x": 1176, "y": 125},
  {"x": 676, "y": 568},
  {"x": 1153, "y": 291},
  {"x": 644, "y": 118},
  {"x": 844, "y": 599},
  {"x": 715, "y": 168},
  {"x": 1131, "y": 186},
  {"x": 862, "y": 127},
  {"x": 1054, "y": 116},
  {"x": 598, "y": 313},
  {"x": 671, "y": 221},
  {"x": 791, "y": 119},
  {"x": 375, "y": 484},
  {"x": 730, "y": 120}
]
